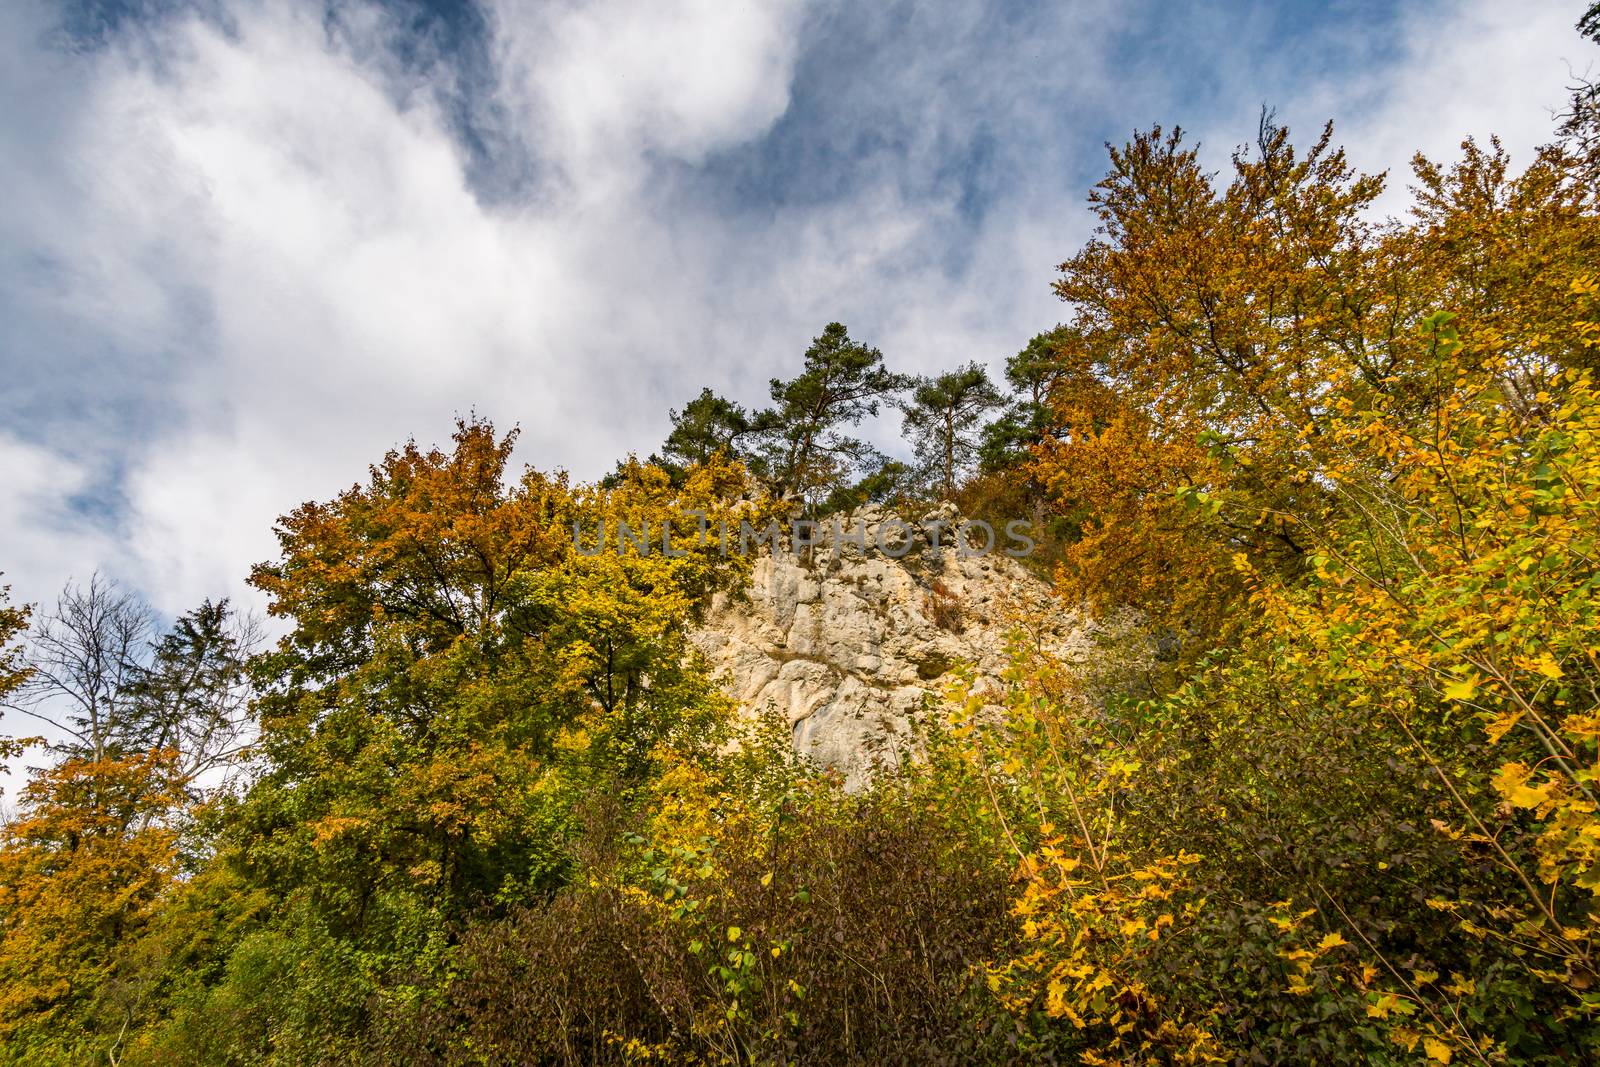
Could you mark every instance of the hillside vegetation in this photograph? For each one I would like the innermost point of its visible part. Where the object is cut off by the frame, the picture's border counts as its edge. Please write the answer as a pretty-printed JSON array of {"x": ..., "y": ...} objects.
[{"x": 1331, "y": 798}]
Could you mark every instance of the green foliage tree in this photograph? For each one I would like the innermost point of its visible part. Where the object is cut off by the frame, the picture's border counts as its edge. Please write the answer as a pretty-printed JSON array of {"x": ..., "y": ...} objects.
[
  {"x": 707, "y": 425},
  {"x": 942, "y": 420},
  {"x": 1032, "y": 375},
  {"x": 1322, "y": 792},
  {"x": 887, "y": 481},
  {"x": 803, "y": 451},
  {"x": 13, "y": 623}
]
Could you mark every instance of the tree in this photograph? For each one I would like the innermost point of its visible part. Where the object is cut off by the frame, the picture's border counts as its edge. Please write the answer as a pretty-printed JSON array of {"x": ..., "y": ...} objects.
[
  {"x": 804, "y": 451},
  {"x": 1032, "y": 375},
  {"x": 13, "y": 623},
  {"x": 941, "y": 418},
  {"x": 94, "y": 674},
  {"x": 82, "y": 872},
  {"x": 1227, "y": 322},
  {"x": 452, "y": 657},
  {"x": 193, "y": 694},
  {"x": 1580, "y": 124},
  {"x": 707, "y": 425},
  {"x": 13, "y": 667},
  {"x": 886, "y": 481},
  {"x": 83, "y": 664},
  {"x": 1355, "y": 466},
  {"x": 1044, "y": 361},
  {"x": 96, "y": 842}
]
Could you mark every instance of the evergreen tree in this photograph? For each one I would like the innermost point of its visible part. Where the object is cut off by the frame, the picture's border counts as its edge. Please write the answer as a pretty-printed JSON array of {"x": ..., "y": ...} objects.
[
  {"x": 941, "y": 418},
  {"x": 708, "y": 424},
  {"x": 803, "y": 450},
  {"x": 193, "y": 695},
  {"x": 1032, "y": 373}
]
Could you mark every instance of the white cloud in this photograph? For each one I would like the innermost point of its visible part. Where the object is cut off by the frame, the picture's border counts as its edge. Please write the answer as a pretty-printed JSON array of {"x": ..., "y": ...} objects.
[
  {"x": 602, "y": 84},
  {"x": 47, "y": 537}
]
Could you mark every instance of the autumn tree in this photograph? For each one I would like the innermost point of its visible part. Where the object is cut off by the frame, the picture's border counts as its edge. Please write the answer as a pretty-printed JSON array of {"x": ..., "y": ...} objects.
[
  {"x": 83, "y": 868},
  {"x": 13, "y": 623},
  {"x": 942, "y": 419},
  {"x": 1321, "y": 789},
  {"x": 13, "y": 667},
  {"x": 402, "y": 729},
  {"x": 100, "y": 835},
  {"x": 451, "y": 651},
  {"x": 1230, "y": 321},
  {"x": 1347, "y": 466}
]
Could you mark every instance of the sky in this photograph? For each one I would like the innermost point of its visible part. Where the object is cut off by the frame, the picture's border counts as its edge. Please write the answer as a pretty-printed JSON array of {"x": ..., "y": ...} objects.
[{"x": 247, "y": 246}]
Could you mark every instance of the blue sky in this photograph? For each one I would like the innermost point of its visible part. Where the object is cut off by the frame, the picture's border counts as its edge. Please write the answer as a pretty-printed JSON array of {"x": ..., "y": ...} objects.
[{"x": 248, "y": 245}]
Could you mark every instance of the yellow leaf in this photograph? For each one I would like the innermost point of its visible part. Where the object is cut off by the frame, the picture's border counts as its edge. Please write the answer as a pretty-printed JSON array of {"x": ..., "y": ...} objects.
[
  {"x": 1332, "y": 941},
  {"x": 1501, "y": 724},
  {"x": 1462, "y": 689},
  {"x": 1405, "y": 1037},
  {"x": 733, "y": 933},
  {"x": 1547, "y": 666},
  {"x": 1437, "y": 1050},
  {"x": 1511, "y": 782}
]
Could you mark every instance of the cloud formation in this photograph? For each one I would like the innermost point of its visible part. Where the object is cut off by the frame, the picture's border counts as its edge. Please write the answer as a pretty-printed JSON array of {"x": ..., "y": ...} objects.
[{"x": 251, "y": 244}]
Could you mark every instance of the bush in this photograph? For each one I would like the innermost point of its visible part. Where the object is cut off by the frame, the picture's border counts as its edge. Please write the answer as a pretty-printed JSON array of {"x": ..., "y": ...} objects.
[{"x": 839, "y": 930}]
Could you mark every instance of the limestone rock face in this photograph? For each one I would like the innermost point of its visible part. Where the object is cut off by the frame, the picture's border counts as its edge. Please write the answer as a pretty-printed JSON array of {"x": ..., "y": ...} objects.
[{"x": 847, "y": 643}]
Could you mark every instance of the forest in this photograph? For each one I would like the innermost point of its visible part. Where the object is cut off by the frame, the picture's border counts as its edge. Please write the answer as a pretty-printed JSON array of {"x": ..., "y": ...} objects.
[{"x": 1331, "y": 800}]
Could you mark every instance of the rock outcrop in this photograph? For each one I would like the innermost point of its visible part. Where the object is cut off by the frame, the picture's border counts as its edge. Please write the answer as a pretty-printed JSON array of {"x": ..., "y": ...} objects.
[{"x": 846, "y": 643}]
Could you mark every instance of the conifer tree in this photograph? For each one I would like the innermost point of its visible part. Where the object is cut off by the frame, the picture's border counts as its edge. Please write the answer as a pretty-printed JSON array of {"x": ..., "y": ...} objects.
[{"x": 942, "y": 419}]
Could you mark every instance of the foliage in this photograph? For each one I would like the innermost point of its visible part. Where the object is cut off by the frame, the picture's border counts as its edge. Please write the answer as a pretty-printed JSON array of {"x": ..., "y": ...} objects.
[
  {"x": 454, "y": 657},
  {"x": 707, "y": 425},
  {"x": 82, "y": 872},
  {"x": 1096, "y": 906},
  {"x": 1378, "y": 518},
  {"x": 802, "y": 448},
  {"x": 776, "y": 921},
  {"x": 941, "y": 420},
  {"x": 1314, "y": 785},
  {"x": 1033, "y": 374},
  {"x": 13, "y": 622},
  {"x": 94, "y": 674}
]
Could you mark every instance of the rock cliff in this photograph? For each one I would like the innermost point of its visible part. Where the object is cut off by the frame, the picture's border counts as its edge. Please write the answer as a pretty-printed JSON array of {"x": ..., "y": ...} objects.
[{"x": 846, "y": 643}]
